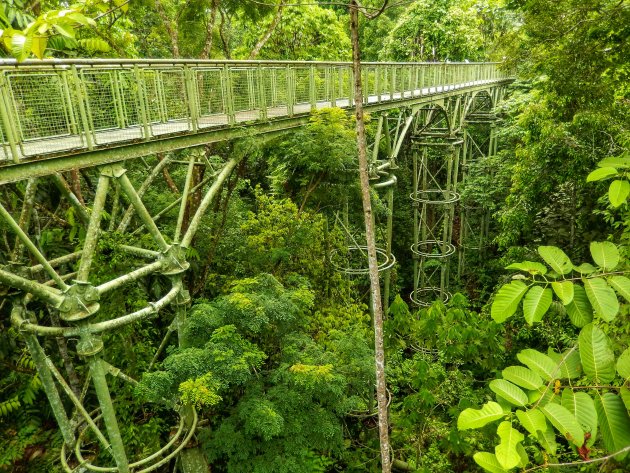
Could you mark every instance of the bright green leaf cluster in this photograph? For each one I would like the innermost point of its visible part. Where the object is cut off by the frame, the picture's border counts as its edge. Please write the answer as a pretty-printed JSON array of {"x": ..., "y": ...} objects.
[
  {"x": 618, "y": 168},
  {"x": 597, "y": 294}
]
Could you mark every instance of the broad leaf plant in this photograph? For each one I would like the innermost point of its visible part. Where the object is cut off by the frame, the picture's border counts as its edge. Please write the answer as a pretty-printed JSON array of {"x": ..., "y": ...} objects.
[{"x": 581, "y": 395}]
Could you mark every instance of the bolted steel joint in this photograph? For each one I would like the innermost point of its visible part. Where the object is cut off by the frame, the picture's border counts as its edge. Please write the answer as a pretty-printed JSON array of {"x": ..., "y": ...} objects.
[
  {"x": 112, "y": 170},
  {"x": 89, "y": 344},
  {"x": 79, "y": 302},
  {"x": 183, "y": 298},
  {"x": 174, "y": 260}
]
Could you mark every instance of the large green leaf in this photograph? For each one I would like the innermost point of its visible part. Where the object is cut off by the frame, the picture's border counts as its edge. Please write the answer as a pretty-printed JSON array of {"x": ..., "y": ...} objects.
[
  {"x": 623, "y": 364},
  {"x": 505, "y": 451},
  {"x": 476, "y": 418},
  {"x": 539, "y": 363},
  {"x": 581, "y": 405},
  {"x": 569, "y": 363},
  {"x": 506, "y": 301},
  {"x": 618, "y": 192},
  {"x": 531, "y": 267},
  {"x": 622, "y": 162},
  {"x": 614, "y": 421},
  {"x": 625, "y": 396},
  {"x": 580, "y": 311},
  {"x": 532, "y": 420},
  {"x": 601, "y": 173},
  {"x": 585, "y": 268},
  {"x": 605, "y": 254},
  {"x": 39, "y": 46},
  {"x": 488, "y": 461},
  {"x": 564, "y": 291},
  {"x": 21, "y": 46},
  {"x": 556, "y": 258},
  {"x": 523, "y": 454},
  {"x": 536, "y": 303},
  {"x": 508, "y": 391},
  {"x": 548, "y": 441},
  {"x": 541, "y": 396},
  {"x": 598, "y": 359},
  {"x": 602, "y": 298},
  {"x": 564, "y": 422},
  {"x": 523, "y": 377},
  {"x": 65, "y": 29},
  {"x": 621, "y": 284}
]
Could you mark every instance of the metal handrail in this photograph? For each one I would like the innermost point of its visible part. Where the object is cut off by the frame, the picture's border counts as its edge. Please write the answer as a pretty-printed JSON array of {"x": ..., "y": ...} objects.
[{"x": 59, "y": 106}]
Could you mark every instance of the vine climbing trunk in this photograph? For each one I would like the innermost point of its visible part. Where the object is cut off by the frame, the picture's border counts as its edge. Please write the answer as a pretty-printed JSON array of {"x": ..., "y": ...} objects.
[{"x": 375, "y": 289}]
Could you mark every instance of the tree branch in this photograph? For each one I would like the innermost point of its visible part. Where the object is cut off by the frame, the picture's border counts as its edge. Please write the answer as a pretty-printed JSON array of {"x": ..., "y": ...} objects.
[
  {"x": 579, "y": 463},
  {"x": 265, "y": 37},
  {"x": 171, "y": 27}
]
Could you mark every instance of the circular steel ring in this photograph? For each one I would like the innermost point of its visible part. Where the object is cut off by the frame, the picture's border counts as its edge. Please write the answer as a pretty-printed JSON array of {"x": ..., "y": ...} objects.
[
  {"x": 430, "y": 196},
  {"x": 422, "y": 249},
  {"x": 443, "y": 295},
  {"x": 388, "y": 262}
]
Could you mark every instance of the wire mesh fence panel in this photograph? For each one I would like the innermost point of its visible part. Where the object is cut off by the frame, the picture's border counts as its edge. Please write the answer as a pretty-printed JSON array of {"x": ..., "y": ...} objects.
[
  {"x": 370, "y": 76},
  {"x": 42, "y": 107},
  {"x": 344, "y": 88},
  {"x": 275, "y": 90},
  {"x": 406, "y": 86},
  {"x": 302, "y": 78},
  {"x": 4, "y": 144},
  {"x": 105, "y": 109},
  {"x": 393, "y": 82},
  {"x": 383, "y": 81},
  {"x": 211, "y": 97},
  {"x": 101, "y": 99},
  {"x": 244, "y": 95},
  {"x": 151, "y": 97},
  {"x": 128, "y": 92},
  {"x": 167, "y": 101},
  {"x": 322, "y": 86},
  {"x": 38, "y": 101}
]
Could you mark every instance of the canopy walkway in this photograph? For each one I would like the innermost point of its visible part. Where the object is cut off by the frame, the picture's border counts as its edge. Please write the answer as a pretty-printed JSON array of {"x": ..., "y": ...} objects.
[{"x": 58, "y": 114}]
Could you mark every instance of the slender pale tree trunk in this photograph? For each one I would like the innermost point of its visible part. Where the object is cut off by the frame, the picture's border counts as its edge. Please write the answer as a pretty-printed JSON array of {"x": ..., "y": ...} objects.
[
  {"x": 265, "y": 37},
  {"x": 207, "y": 48},
  {"x": 225, "y": 40},
  {"x": 170, "y": 26},
  {"x": 375, "y": 289}
]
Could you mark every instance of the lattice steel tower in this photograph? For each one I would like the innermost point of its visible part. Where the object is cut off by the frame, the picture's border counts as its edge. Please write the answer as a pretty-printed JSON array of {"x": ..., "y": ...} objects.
[
  {"x": 436, "y": 151},
  {"x": 480, "y": 142}
]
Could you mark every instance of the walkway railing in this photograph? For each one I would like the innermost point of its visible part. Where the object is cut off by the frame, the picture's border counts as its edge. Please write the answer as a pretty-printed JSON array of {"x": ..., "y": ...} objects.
[{"x": 62, "y": 106}]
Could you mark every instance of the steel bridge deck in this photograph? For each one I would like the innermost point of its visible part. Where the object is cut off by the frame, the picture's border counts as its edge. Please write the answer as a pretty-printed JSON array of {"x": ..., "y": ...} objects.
[{"x": 62, "y": 114}]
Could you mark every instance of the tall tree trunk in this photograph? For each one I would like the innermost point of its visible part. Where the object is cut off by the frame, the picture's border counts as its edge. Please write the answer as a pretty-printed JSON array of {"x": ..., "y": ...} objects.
[
  {"x": 375, "y": 289},
  {"x": 167, "y": 176},
  {"x": 75, "y": 185},
  {"x": 265, "y": 37},
  {"x": 225, "y": 41},
  {"x": 171, "y": 28},
  {"x": 207, "y": 48}
]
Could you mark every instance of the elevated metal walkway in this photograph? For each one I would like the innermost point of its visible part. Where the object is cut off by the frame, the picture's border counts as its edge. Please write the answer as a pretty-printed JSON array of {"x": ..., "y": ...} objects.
[{"x": 58, "y": 114}]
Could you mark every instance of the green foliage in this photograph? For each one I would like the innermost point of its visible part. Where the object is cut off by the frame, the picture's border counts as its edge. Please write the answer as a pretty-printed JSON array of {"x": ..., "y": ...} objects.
[
  {"x": 318, "y": 160},
  {"x": 436, "y": 31},
  {"x": 310, "y": 33},
  {"x": 282, "y": 241},
  {"x": 599, "y": 289},
  {"x": 33, "y": 39},
  {"x": 200, "y": 392}
]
